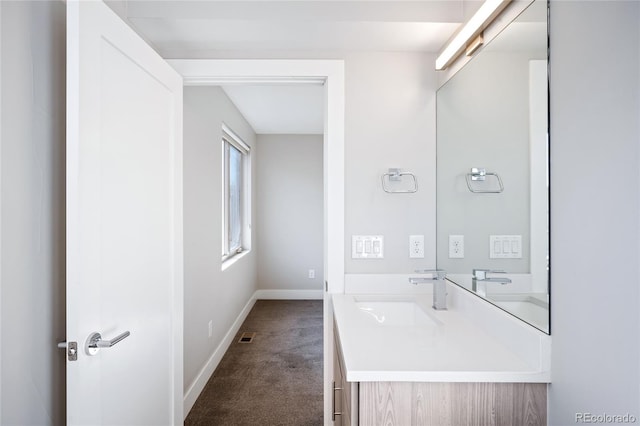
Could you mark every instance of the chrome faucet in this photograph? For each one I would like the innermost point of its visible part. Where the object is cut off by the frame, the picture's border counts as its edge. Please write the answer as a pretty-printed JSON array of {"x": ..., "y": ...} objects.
[
  {"x": 439, "y": 286},
  {"x": 480, "y": 278}
]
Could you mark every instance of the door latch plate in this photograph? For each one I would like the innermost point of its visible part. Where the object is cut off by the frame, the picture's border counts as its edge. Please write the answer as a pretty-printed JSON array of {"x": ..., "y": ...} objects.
[{"x": 72, "y": 351}]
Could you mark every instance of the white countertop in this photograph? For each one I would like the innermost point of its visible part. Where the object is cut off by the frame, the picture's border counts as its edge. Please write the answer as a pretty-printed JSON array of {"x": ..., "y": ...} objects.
[{"x": 449, "y": 348}]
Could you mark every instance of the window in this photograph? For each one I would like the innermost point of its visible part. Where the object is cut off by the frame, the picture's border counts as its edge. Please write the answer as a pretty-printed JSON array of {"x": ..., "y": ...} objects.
[{"x": 236, "y": 234}]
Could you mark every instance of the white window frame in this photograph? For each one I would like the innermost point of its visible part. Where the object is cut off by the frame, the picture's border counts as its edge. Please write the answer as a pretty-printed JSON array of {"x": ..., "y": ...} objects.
[{"x": 231, "y": 139}]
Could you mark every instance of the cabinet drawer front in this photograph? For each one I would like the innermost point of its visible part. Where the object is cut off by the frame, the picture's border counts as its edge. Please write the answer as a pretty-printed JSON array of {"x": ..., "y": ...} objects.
[{"x": 453, "y": 404}]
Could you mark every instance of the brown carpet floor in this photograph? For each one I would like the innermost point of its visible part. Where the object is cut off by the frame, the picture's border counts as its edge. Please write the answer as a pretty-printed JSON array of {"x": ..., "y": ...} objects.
[{"x": 276, "y": 379}]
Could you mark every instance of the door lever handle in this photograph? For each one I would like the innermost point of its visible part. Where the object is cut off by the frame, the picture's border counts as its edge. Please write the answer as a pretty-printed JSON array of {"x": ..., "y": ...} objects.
[{"x": 95, "y": 342}]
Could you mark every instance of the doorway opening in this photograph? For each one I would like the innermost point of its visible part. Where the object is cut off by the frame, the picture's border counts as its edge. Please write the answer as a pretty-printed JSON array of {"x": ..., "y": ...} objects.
[{"x": 330, "y": 75}]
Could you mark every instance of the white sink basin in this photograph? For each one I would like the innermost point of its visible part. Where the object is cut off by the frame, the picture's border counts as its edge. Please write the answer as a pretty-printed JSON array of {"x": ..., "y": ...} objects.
[
  {"x": 399, "y": 337},
  {"x": 395, "y": 313}
]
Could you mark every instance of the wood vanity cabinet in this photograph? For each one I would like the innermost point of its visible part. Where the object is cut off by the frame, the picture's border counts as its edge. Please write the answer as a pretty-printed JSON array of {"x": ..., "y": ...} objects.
[
  {"x": 345, "y": 394},
  {"x": 435, "y": 404}
]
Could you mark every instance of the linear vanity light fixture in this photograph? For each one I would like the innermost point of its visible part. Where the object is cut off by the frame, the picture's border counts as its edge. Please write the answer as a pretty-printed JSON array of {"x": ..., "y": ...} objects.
[
  {"x": 475, "y": 45},
  {"x": 489, "y": 10}
]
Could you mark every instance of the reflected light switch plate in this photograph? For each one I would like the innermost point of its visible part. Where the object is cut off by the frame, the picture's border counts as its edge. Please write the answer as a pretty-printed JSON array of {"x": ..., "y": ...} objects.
[{"x": 505, "y": 246}]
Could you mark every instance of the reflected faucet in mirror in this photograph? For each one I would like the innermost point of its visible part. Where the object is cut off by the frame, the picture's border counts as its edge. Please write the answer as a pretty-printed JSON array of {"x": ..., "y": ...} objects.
[
  {"x": 480, "y": 279},
  {"x": 439, "y": 286}
]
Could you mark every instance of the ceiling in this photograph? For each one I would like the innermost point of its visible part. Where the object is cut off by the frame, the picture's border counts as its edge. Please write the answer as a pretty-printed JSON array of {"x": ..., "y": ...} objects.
[
  {"x": 181, "y": 27},
  {"x": 280, "y": 109},
  {"x": 265, "y": 28}
]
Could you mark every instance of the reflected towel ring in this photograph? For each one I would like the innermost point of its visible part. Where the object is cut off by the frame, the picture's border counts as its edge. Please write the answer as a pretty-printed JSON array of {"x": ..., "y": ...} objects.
[
  {"x": 395, "y": 175},
  {"x": 479, "y": 174}
]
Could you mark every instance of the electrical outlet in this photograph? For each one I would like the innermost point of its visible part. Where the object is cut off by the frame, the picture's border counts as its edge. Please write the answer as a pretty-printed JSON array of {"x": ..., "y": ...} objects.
[
  {"x": 210, "y": 328},
  {"x": 456, "y": 246},
  {"x": 312, "y": 274},
  {"x": 416, "y": 246}
]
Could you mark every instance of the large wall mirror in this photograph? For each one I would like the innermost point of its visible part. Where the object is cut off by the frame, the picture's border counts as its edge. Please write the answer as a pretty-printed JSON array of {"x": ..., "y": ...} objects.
[{"x": 492, "y": 171}]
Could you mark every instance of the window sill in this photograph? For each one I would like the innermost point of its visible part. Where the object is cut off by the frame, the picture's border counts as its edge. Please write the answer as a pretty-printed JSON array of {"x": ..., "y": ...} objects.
[{"x": 232, "y": 260}]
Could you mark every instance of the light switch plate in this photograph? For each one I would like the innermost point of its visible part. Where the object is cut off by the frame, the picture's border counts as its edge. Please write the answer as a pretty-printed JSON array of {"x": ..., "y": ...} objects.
[{"x": 367, "y": 247}]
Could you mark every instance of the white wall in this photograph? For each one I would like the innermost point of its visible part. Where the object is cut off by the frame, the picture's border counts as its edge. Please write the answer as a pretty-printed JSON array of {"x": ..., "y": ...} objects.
[
  {"x": 33, "y": 206},
  {"x": 390, "y": 122},
  {"x": 595, "y": 209},
  {"x": 209, "y": 292},
  {"x": 290, "y": 212}
]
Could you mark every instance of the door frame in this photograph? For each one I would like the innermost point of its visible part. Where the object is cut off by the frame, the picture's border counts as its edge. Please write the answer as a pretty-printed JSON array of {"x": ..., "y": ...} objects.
[{"x": 329, "y": 73}]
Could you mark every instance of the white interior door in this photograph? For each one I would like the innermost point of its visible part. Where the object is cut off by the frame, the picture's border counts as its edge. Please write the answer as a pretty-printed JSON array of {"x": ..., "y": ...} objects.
[{"x": 124, "y": 224}]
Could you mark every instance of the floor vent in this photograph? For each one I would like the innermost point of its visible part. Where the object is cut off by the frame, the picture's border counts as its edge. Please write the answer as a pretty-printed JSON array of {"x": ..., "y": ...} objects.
[{"x": 247, "y": 337}]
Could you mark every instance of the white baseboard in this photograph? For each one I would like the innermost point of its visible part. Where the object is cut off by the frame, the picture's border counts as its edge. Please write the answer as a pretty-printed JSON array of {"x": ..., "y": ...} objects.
[
  {"x": 289, "y": 294},
  {"x": 192, "y": 394}
]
